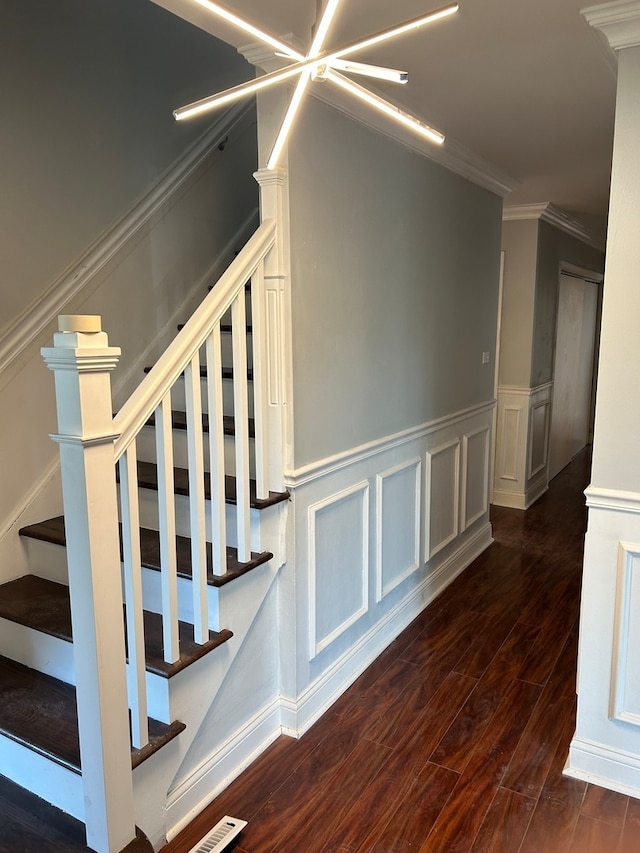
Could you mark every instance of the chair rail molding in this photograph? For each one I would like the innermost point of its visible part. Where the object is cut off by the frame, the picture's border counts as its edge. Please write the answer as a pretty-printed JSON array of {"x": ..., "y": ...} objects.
[{"x": 37, "y": 316}]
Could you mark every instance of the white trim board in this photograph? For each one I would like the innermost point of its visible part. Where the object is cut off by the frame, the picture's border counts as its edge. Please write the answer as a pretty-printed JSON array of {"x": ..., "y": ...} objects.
[
  {"x": 619, "y": 21},
  {"x": 37, "y": 316},
  {"x": 614, "y": 500},
  {"x": 228, "y": 761},
  {"x": 548, "y": 213},
  {"x": 330, "y": 464},
  {"x": 601, "y": 765}
]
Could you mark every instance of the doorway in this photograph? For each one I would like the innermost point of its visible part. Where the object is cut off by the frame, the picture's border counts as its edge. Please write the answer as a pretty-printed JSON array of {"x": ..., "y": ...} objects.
[{"x": 574, "y": 369}]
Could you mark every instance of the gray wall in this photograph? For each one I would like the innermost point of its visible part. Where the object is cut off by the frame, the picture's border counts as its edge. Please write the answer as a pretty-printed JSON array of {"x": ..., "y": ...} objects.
[
  {"x": 534, "y": 251},
  {"x": 520, "y": 244},
  {"x": 394, "y": 286},
  {"x": 88, "y": 88}
]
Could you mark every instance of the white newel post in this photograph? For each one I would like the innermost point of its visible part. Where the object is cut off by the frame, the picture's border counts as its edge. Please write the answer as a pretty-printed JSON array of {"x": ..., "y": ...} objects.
[
  {"x": 273, "y": 205},
  {"x": 81, "y": 361}
]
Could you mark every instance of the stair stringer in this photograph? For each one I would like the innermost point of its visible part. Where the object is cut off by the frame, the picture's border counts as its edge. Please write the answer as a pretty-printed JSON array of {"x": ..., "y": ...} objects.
[{"x": 229, "y": 701}]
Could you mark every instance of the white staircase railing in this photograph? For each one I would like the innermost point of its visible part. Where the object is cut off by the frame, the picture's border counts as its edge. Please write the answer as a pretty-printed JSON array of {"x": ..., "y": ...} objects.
[
  {"x": 91, "y": 441},
  {"x": 153, "y": 398}
]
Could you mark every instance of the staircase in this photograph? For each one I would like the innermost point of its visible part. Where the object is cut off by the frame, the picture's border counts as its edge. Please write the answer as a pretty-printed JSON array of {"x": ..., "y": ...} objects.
[{"x": 195, "y": 517}]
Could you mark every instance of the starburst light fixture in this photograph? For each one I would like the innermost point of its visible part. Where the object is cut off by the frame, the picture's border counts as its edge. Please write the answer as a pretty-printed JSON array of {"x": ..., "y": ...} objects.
[{"x": 320, "y": 64}]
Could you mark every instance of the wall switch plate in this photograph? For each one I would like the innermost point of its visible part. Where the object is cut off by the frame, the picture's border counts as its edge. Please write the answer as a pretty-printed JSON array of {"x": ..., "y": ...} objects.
[{"x": 485, "y": 358}]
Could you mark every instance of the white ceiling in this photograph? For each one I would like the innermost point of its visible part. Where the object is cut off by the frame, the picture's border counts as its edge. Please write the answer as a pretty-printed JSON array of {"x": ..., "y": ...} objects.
[{"x": 526, "y": 85}]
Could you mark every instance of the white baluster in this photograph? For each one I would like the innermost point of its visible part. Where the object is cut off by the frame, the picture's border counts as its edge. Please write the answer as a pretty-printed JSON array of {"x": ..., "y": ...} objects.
[
  {"x": 82, "y": 360},
  {"x": 216, "y": 452},
  {"x": 167, "y": 530},
  {"x": 241, "y": 421},
  {"x": 136, "y": 673},
  {"x": 195, "y": 456}
]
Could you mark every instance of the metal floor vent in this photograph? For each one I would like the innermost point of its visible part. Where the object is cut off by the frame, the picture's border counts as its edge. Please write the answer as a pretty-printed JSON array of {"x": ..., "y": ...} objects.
[{"x": 220, "y": 836}]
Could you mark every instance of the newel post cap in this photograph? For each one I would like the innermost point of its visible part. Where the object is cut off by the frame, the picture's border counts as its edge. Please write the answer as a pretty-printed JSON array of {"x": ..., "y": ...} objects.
[
  {"x": 79, "y": 323},
  {"x": 80, "y": 344}
]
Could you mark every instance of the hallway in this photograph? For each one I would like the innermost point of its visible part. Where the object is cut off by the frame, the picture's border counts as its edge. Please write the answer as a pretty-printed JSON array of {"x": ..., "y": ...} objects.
[{"x": 455, "y": 738}]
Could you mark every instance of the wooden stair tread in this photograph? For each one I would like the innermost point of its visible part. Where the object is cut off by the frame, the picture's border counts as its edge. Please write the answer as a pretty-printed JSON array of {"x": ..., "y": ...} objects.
[
  {"x": 52, "y": 530},
  {"x": 148, "y": 479},
  {"x": 227, "y": 372},
  {"x": 40, "y": 712},
  {"x": 179, "y": 421},
  {"x": 225, "y": 328},
  {"x": 28, "y": 822},
  {"x": 43, "y": 605}
]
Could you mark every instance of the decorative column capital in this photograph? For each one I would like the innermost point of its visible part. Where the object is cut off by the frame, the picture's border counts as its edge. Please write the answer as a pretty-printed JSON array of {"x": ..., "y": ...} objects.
[
  {"x": 271, "y": 177},
  {"x": 619, "y": 21},
  {"x": 80, "y": 345},
  {"x": 273, "y": 205}
]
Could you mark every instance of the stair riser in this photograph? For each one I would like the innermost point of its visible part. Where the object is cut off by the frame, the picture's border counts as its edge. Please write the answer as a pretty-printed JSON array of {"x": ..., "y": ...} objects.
[
  {"x": 54, "y": 657},
  {"x": 146, "y": 449},
  {"x": 48, "y": 779},
  {"x": 148, "y": 504},
  {"x": 227, "y": 349},
  {"x": 36, "y": 650},
  {"x": 152, "y": 595},
  {"x": 54, "y": 558},
  {"x": 178, "y": 401}
]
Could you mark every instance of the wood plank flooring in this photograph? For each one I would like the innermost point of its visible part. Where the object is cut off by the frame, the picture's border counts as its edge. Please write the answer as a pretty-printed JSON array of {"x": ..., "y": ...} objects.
[{"x": 455, "y": 738}]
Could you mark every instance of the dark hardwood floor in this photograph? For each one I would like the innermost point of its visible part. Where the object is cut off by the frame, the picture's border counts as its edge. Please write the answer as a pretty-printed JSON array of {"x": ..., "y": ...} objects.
[{"x": 455, "y": 738}]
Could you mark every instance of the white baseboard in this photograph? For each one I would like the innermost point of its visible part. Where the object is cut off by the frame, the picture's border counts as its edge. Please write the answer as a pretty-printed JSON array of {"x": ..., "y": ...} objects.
[
  {"x": 294, "y": 716},
  {"x": 300, "y": 714},
  {"x": 202, "y": 786},
  {"x": 513, "y": 500},
  {"x": 601, "y": 765},
  {"x": 518, "y": 500},
  {"x": 536, "y": 489}
]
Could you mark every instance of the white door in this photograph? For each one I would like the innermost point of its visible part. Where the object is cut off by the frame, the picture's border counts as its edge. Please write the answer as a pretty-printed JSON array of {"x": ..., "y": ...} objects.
[{"x": 573, "y": 371}]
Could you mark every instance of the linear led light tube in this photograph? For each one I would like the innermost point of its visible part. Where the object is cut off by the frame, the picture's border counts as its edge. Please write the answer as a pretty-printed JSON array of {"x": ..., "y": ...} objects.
[
  {"x": 238, "y": 92},
  {"x": 323, "y": 28},
  {"x": 392, "y": 75},
  {"x": 236, "y": 20},
  {"x": 385, "y": 107},
  {"x": 290, "y": 115},
  {"x": 394, "y": 32},
  {"x": 301, "y": 86},
  {"x": 321, "y": 59}
]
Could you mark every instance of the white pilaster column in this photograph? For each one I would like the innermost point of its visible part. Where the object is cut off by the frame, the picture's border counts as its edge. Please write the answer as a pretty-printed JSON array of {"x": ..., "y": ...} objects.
[
  {"x": 277, "y": 351},
  {"x": 606, "y": 745},
  {"x": 81, "y": 360}
]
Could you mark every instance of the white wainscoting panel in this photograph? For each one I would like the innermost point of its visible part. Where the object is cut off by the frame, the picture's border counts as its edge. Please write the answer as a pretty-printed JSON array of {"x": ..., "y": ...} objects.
[
  {"x": 338, "y": 564},
  {"x": 443, "y": 497},
  {"x": 539, "y": 444},
  {"x": 380, "y": 530},
  {"x": 625, "y": 671},
  {"x": 509, "y": 432},
  {"x": 522, "y": 445},
  {"x": 398, "y": 508},
  {"x": 475, "y": 475}
]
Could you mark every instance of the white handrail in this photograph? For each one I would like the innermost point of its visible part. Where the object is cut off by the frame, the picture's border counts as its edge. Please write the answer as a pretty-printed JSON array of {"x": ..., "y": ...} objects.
[{"x": 149, "y": 394}]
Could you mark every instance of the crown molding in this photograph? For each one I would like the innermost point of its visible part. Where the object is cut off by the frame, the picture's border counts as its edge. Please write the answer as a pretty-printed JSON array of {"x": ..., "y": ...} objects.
[
  {"x": 452, "y": 155},
  {"x": 619, "y": 21},
  {"x": 548, "y": 213},
  {"x": 263, "y": 57}
]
